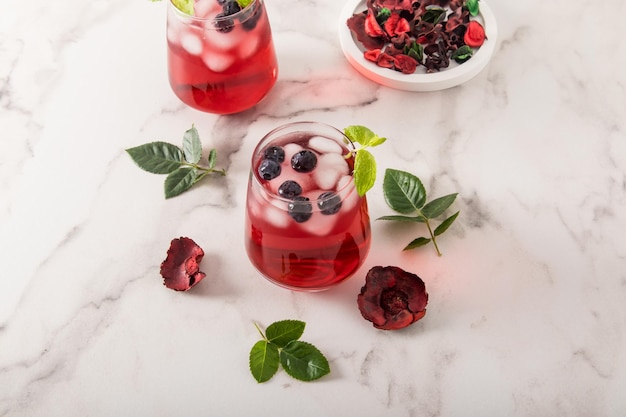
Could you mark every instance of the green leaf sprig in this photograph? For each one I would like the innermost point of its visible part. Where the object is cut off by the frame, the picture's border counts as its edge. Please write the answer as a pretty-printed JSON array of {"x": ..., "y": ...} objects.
[
  {"x": 364, "y": 163},
  {"x": 405, "y": 194},
  {"x": 281, "y": 346},
  {"x": 182, "y": 165}
]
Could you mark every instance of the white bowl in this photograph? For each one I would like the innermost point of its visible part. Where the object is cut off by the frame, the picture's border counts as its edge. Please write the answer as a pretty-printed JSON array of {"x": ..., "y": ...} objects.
[{"x": 452, "y": 76}]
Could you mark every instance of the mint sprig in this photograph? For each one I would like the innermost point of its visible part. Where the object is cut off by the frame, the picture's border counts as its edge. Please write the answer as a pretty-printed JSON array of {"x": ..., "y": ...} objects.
[
  {"x": 184, "y": 166},
  {"x": 364, "y": 163},
  {"x": 405, "y": 194},
  {"x": 281, "y": 346}
]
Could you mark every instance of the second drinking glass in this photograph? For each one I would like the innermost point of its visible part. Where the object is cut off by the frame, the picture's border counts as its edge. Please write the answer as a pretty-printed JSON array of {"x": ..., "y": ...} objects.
[
  {"x": 306, "y": 226},
  {"x": 221, "y": 57}
]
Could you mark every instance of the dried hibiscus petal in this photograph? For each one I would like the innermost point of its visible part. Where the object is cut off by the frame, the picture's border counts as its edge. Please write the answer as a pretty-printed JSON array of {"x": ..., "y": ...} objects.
[
  {"x": 396, "y": 25},
  {"x": 181, "y": 268},
  {"x": 392, "y": 298}
]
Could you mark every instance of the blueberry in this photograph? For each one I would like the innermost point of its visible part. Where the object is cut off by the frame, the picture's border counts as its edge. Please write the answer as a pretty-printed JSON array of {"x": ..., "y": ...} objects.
[
  {"x": 300, "y": 209},
  {"x": 249, "y": 22},
  {"x": 230, "y": 7},
  {"x": 329, "y": 202},
  {"x": 268, "y": 169},
  {"x": 289, "y": 189},
  {"x": 304, "y": 161},
  {"x": 223, "y": 24},
  {"x": 275, "y": 153}
]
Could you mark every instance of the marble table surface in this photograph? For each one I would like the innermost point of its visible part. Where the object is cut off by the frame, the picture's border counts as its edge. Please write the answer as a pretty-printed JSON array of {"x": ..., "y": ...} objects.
[{"x": 527, "y": 310}]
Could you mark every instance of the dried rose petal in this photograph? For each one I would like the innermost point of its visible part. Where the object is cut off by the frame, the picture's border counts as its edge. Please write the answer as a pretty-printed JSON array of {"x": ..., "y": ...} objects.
[
  {"x": 396, "y": 25},
  {"x": 404, "y": 63},
  {"x": 356, "y": 23},
  {"x": 181, "y": 269},
  {"x": 392, "y": 298},
  {"x": 474, "y": 35}
]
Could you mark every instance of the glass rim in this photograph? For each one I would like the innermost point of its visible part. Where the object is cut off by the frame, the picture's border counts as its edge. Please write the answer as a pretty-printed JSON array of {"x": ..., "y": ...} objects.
[
  {"x": 233, "y": 16},
  {"x": 348, "y": 144}
]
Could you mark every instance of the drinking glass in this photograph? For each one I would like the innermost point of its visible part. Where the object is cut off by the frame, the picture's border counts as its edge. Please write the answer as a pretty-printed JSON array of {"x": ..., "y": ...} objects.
[
  {"x": 220, "y": 63},
  {"x": 306, "y": 227}
]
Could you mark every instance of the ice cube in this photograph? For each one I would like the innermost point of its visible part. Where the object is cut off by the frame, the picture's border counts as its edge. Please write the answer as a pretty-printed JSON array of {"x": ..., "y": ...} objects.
[
  {"x": 350, "y": 197},
  {"x": 172, "y": 35},
  {"x": 319, "y": 224},
  {"x": 276, "y": 217},
  {"x": 203, "y": 9},
  {"x": 291, "y": 149},
  {"x": 330, "y": 167},
  {"x": 248, "y": 46},
  {"x": 324, "y": 145},
  {"x": 223, "y": 40},
  {"x": 216, "y": 61},
  {"x": 191, "y": 43}
]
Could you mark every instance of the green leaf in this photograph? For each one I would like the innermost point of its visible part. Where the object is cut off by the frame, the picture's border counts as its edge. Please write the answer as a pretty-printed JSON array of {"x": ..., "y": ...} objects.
[
  {"x": 415, "y": 219},
  {"x": 179, "y": 181},
  {"x": 403, "y": 192},
  {"x": 212, "y": 158},
  {"x": 416, "y": 243},
  {"x": 383, "y": 15},
  {"x": 462, "y": 54},
  {"x": 282, "y": 332},
  {"x": 438, "y": 206},
  {"x": 157, "y": 157},
  {"x": 303, "y": 361},
  {"x": 360, "y": 134},
  {"x": 244, "y": 3},
  {"x": 445, "y": 224},
  {"x": 473, "y": 7},
  {"x": 192, "y": 148},
  {"x": 434, "y": 15},
  {"x": 364, "y": 171},
  {"x": 264, "y": 360},
  {"x": 185, "y": 6}
]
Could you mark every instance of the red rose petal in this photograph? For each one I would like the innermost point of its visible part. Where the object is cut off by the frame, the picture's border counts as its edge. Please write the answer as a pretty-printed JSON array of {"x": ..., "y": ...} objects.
[
  {"x": 181, "y": 268},
  {"x": 474, "y": 35}
]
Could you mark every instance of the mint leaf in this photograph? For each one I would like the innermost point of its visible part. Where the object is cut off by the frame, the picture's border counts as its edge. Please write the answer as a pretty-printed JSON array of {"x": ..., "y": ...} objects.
[
  {"x": 359, "y": 134},
  {"x": 303, "y": 361},
  {"x": 157, "y": 157},
  {"x": 436, "y": 207},
  {"x": 282, "y": 332},
  {"x": 264, "y": 361},
  {"x": 179, "y": 181},
  {"x": 364, "y": 171},
  {"x": 244, "y": 3},
  {"x": 445, "y": 224},
  {"x": 403, "y": 192},
  {"x": 416, "y": 243},
  {"x": 185, "y": 6},
  {"x": 192, "y": 148}
]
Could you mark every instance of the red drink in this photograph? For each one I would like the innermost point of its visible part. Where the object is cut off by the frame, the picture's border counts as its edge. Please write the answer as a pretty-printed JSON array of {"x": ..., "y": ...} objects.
[
  {"x": 315, "y": 234},
  {"x": 220, "y": 63}
]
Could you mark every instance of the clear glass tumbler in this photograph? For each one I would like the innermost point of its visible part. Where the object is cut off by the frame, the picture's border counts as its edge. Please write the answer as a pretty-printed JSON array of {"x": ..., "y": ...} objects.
[
  {"x": 306, "y": 226},
  {"x": 221, "y": 59}
]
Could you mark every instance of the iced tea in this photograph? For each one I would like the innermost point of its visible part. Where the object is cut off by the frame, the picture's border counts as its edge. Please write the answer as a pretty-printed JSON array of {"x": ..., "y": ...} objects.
[
  {"x": 306, "y": 226},
  {"x": 221, "y": 59}
]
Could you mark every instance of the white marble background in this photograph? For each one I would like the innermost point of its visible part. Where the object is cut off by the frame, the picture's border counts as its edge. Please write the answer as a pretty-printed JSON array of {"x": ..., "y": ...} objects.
[{"x": 527, "y": 312}]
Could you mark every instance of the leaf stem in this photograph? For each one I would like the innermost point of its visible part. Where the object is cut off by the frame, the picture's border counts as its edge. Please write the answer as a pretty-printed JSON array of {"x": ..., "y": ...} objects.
[
  {"x": 432, "y": 237},
  {"x": 260, "y": 331}
]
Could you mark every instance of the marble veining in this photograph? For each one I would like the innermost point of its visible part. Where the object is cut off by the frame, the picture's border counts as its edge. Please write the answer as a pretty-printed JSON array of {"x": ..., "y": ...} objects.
[{"x": 526, "y": 315}]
